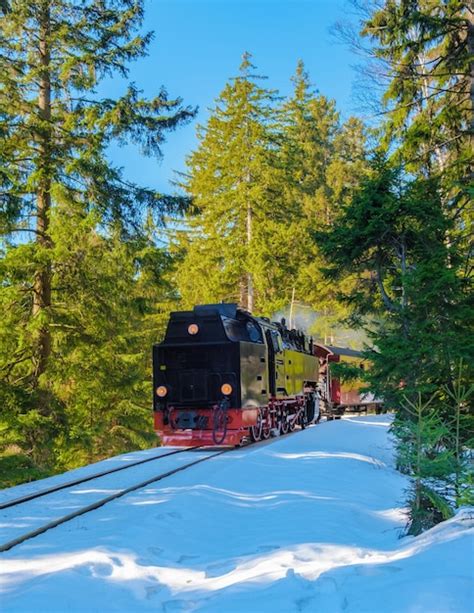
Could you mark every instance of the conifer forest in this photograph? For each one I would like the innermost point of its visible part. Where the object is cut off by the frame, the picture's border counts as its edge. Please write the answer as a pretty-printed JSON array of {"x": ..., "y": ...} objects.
[{"x": 366, "y": 222}]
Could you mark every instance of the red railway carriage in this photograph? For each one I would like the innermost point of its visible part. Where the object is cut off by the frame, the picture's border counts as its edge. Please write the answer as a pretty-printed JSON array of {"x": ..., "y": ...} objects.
[{"x": 336, "y": 396}]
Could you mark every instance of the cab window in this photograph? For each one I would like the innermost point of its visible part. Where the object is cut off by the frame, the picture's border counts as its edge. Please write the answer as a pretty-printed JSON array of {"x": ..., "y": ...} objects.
[
  {"x": 276, "y": 341},
  {"x": 237, "y": 330}
]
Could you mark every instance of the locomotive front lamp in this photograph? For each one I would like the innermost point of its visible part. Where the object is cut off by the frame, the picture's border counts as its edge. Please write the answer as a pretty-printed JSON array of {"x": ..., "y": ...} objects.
[
  {"x": 193, "y": 329},
  {"x": 161, "y": 391},
  {"x": 226, "y": 389}
]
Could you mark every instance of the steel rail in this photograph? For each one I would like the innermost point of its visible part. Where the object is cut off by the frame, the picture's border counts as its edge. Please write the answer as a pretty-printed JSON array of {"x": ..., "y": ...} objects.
[
  {"x": 102, "y": 502},
  {"x": 62, "y": 486}
]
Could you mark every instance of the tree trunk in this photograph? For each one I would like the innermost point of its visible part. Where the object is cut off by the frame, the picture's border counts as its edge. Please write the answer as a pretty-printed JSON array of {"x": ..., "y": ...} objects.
[
  {"x": 42, "y": 278},
  {"x": 470, "y": 46},
  {"x": 250, "y": 293}
]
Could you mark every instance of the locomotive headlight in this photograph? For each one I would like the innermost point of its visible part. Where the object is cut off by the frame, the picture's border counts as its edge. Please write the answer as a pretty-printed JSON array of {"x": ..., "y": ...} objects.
[
  {"x": 193, "y": 329},
  {"x": 161, "y": 391},
  {"x": 226, "y": 389}
]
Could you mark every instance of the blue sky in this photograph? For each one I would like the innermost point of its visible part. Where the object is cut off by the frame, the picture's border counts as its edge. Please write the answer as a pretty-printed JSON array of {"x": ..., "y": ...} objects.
[{"x": 198, "y": 46}]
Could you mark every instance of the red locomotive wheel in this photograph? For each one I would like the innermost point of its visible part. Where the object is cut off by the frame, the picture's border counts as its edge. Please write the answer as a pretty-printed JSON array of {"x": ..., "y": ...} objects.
[
  {"x": 284, "y": 424},
  {"x": 219, "y": 425},
  {"x": 293, "y": 422},
  {"x": 256, "y": 431},
  {"x": 266, "y": 425}
]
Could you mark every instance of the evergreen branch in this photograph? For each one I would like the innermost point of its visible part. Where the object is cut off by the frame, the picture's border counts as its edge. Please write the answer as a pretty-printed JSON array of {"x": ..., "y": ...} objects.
[{"x": 385, "y": 297}]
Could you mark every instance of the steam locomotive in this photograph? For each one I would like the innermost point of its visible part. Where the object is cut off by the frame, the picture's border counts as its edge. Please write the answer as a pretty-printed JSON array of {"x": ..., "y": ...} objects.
[{"x": 222, "y": 376}]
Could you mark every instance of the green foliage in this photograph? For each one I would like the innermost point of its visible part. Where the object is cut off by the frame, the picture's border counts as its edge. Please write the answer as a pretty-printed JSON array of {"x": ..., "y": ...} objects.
[
  {"x": 237, "y": 211},
  {"x": 427, "y": 508},
  {"x": 427, "y": 45},
  {"x": 425, "y": 48},
  {"x": 462, "y": 434},
  {"x": 323, "y": 163},
  {"x": 466, "y": 493},
  {"x": 403, "y": 238},
  {"x": 425, "y": 454},
  {"x": 391, "y": 239},
  {"x": 346, "y": 371},
  {"x": 82, "y": 44},
  {"x": 110, "y": 306},
  {"x": 423, "y": 441},
  {"x": 265, "y": 174},
  {"x": 18, "y": 468},
  {"x": 82, "y": 281}
]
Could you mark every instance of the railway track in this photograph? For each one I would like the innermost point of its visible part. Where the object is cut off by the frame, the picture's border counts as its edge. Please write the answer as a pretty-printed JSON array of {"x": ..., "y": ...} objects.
[
  {"x": 6, "y": 546},
  {"x": 56, "y": 488}
]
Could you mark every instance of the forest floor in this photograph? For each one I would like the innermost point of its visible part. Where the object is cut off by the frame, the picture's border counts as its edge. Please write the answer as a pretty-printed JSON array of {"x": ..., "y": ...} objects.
[{"x": 309, "y": 522}]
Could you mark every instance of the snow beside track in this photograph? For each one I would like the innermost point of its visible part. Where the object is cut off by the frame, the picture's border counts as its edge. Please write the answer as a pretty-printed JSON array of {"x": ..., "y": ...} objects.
[{"x": 309, "y": 522}]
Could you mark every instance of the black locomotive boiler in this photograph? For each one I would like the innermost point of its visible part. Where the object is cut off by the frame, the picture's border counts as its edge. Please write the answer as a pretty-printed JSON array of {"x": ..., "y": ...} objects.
[{"x": 222, "y": 376}]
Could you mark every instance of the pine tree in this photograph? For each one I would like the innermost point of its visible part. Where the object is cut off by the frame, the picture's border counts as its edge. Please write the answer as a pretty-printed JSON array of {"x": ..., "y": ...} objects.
[
  {"x": 233, "y": 232},
  {"x": 58, "y": 186},
  {"x": 324, "y": 161},
  {"x": 423, "y": 453},
  {"x": 406, "y": 233},
  {"x": 391, "y": 236},
  {"x": 425, "y": 49}
]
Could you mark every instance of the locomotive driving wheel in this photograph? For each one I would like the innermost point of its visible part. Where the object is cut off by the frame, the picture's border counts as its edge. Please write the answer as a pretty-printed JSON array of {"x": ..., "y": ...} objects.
[
  {"x": 310, "y": 408},
  {"x": 256, "y": 431},
  {"x": 284, "y": 425},
  {"x": 219, "y": 430},
  {"x": 266, "y": 424}
]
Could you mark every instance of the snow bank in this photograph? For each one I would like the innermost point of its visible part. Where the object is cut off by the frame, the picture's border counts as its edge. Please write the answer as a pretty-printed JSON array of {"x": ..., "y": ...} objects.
[{"x": 310, "y": 522}]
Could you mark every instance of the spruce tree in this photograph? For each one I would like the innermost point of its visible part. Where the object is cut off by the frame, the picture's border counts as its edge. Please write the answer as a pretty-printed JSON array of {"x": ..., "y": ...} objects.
[
  {"x": 323, "y": 162},
  {"x": 425, "y": 50},
  {"x": 423, "y": 453},
  {"x": 58, "y": 186},
  {"x": 231, "y": 178},
  {"x": 311, "y": 123},
  {"x": 391, "y": 237},
  {"x": 295, "y": 164},
  {"x": 405, "y": 234}
]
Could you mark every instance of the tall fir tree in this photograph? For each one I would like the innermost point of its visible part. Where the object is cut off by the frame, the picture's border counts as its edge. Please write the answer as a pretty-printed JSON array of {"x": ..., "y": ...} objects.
[
  {"x": 391, "y": 237},
  {"x": 324, "y": 161},
  {"x": 425, "y": 51},
  {"x": 231, "y": 179},
  {"x": 406, "y": 236},
  {"x": 264, "y": 177},
  {"x": 58, "y": 187}
]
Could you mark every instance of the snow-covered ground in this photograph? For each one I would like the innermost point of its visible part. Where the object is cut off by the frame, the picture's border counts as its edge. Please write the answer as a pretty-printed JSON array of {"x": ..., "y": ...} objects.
[{"x": 309, "y": 522}]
